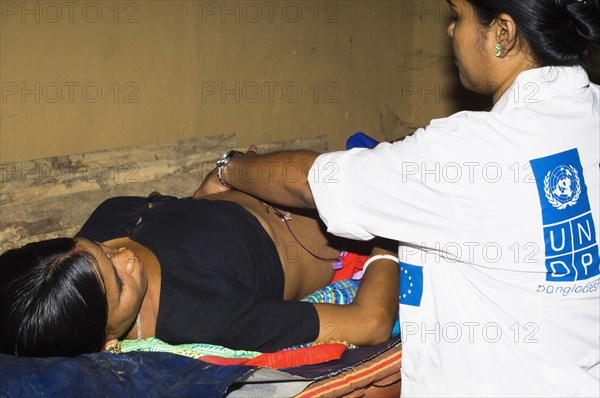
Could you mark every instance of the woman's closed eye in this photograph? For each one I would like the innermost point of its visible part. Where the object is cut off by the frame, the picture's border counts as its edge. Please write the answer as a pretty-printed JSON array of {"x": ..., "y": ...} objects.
[
  {"x": 118, "y": 279},
  {"x": 453, "y": 13}
]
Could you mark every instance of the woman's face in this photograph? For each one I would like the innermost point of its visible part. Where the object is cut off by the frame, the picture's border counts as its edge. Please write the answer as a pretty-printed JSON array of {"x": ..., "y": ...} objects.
[
  {"x": 125, "y": 283},
  {"x": 473, "y": 46}
]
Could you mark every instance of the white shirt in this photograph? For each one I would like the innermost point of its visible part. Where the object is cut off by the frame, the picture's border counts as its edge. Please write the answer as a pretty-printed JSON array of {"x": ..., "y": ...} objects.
[{"x": 497, "y": 215}]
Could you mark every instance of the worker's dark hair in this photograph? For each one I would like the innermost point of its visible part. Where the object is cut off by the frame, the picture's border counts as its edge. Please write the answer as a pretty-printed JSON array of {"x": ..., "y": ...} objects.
[{"x": 558, "y": 32}]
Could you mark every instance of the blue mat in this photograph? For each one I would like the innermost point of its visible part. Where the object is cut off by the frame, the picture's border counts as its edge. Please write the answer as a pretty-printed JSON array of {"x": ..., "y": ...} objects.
[
  {"x": 104, "y": 374},
  {"x": 144, "y": 374}
]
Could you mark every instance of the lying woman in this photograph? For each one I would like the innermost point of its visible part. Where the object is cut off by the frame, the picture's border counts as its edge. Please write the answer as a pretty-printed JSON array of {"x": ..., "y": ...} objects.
[{"x": 226, "y": 269}]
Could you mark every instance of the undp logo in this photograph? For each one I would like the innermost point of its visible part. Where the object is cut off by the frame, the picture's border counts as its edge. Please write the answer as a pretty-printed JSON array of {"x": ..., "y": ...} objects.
[
  {"x": 571, "y": 248},
  {"x": 562, "y": 187}
]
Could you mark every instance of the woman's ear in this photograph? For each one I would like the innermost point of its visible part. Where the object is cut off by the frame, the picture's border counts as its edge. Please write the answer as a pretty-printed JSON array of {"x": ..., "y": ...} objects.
[
  {"x": 505, "y": 33},
  {"x": 125, "y": 257}
]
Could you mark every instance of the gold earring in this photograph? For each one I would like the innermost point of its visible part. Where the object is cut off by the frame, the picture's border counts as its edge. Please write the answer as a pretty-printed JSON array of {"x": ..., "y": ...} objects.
[
  {"x": 498, "y": 50},
  {"x": 114, "y": 346}
]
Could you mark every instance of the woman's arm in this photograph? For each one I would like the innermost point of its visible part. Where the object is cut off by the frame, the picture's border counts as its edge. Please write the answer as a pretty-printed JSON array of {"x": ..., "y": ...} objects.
[{"x": 369, "y": 319}]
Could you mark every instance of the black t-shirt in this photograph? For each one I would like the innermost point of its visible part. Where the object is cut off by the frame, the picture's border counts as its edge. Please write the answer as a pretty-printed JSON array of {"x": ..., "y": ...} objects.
[{"x": 222, "y": 279}]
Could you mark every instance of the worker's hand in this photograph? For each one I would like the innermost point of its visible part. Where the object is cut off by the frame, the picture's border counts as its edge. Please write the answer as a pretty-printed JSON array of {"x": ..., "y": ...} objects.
[{"x": 211, "y": 184}]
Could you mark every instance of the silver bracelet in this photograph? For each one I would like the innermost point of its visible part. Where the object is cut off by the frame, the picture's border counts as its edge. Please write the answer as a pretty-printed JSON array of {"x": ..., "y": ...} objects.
[
  {"x": 222, "y": 162},
  {"x": 220, "y": 176},
  {"x": 379, "y": 257}
]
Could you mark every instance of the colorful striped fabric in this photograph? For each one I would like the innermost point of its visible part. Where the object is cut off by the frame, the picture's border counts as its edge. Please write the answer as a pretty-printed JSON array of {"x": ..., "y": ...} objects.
[
  {"x": 339, "y": 292},
  {"x": 311, "y": 355},
  {"x": 377, "y": 377},
  {"x": 196, "y": 350},
  {"x": 307, "y": 354}
]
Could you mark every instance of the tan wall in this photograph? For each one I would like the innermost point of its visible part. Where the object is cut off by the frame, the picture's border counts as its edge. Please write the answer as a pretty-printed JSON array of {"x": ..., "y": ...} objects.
[{"x": 90, "y": 75}]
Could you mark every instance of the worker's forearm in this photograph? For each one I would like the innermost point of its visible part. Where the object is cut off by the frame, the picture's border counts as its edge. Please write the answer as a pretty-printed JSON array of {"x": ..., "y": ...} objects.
[
  {"x": 370, "y": 317},
  {"x": 378, "y": 290},
  {"x": 279, "y": 177}
]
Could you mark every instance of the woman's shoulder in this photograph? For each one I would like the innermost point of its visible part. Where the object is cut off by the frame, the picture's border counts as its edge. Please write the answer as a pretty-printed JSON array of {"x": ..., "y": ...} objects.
[
  {"x": 119, "y": 206},
  {"x": 121, "y": 202},
  {"x": 113, "y": 218}
]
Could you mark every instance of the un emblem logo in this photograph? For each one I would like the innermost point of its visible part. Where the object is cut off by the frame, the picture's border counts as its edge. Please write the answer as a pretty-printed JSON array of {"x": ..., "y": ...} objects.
[{"x": 562, "y": 187}]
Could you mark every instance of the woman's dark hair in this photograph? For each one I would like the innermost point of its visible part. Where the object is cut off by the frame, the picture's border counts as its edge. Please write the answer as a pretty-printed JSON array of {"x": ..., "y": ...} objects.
[
  {"x": 558, "y": 32},
  {"x": 51, "y": 301}
]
